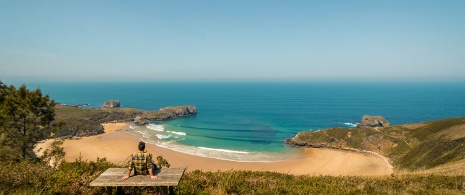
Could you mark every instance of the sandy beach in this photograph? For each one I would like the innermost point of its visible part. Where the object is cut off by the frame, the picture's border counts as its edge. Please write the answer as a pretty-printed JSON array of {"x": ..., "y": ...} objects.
[{"x": 116, "y": 146}]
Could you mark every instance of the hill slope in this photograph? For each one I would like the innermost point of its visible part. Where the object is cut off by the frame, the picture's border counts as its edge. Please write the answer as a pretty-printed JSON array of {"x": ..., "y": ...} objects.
[{"x": 414, "y": 146}]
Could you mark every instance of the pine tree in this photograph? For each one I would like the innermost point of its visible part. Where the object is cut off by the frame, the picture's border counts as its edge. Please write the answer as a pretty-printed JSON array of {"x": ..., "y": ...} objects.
[{"x": 25, "y": 117}]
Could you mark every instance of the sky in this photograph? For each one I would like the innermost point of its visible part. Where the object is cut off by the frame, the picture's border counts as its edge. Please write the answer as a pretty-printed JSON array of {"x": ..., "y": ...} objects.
[{"x": 232, "y": 40}]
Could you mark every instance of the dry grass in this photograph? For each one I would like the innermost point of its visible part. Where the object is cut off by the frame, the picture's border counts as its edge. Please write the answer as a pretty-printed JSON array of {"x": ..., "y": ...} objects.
[{"x": 74, "y": 178}]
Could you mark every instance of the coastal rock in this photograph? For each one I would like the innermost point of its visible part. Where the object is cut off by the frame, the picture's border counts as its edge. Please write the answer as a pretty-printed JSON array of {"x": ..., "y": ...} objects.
[
  {"x": 300, "y": 140},
  {"x": 373, "y": 121},
  {"x": 111, "y": 104},
  {"x": 88, "y": 132},
  {"x": 171, "y": 112},
  {"x": 140, "y": 121},
  {"x": 181, "y": 110},
  {"x": 294, "y": 143}
]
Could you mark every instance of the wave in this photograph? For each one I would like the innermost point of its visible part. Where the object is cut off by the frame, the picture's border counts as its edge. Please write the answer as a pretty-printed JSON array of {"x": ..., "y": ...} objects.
[
  {"x": 151, "y": 130},
  {"x": 351, "y": 124},
  {"x": 144, "y": 134},
  {"x": 156, "y": 127},
  {"x": 171, "y": 141},
  {"x": 222, "y": 154},
  {"x": 224, "y": 150},
  {"x": 256, "y": 139},
  {"x": 177, "y": 133},
  {"x": 132, "y": 127},
  {"x": 221, "y": 129},
  {"x": 160, "y": 136}
]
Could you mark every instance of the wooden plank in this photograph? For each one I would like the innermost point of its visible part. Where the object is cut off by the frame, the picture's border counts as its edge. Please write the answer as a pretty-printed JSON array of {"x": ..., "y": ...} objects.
[{"x": 166, "y": 177}]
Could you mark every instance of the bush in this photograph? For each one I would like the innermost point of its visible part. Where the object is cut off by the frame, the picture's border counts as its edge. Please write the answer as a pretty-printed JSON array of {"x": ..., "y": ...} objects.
[
  {"x": 253, "y": 182},
  {"x": 34, "y": 177}
]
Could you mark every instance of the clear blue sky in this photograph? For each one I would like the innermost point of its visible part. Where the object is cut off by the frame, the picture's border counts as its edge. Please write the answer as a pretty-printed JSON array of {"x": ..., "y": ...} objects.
[{"x": 232, "y": 40}]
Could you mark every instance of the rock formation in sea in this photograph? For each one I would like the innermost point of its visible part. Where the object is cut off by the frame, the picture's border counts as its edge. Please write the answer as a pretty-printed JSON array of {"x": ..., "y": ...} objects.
[
  {"x": 373, "y": 121},
  {"x": 167, "y": 113},
  {"x": 111, "y": 104},
  {"x": 140, "y": 121}
]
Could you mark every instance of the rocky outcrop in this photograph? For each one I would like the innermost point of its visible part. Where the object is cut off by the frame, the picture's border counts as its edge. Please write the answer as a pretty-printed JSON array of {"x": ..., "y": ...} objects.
[
  {"x": 140, "y": 121},
  {"x": 294, "y": 143},
  {"x": 167, "y": 113},
  {"x": 366, "y": 138},
  {"x": 373, "y": 121},
  {"x": 89, "y": 132},
  {"x": 180, "y": 110},
  {"x": 111, "y": 104}
]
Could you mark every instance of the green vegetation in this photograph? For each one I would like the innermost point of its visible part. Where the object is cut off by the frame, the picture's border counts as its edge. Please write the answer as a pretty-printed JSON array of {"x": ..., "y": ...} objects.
[
  {"x": 74, "y": 178},
  {"x": 85, "y": 122},
  {"x": 415, "y": 146},
  {"x": 252, "y": 182},
  {"x": 25, "y": 118}
]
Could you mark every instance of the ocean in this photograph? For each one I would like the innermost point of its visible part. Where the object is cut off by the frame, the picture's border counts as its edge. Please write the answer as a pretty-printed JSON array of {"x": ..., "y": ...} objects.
[{"x": 250, "y": 121}]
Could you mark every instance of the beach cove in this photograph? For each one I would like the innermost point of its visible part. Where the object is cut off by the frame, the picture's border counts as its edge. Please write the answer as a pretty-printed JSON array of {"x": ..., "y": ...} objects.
[
  {"x": 116, "y": 145},
  {"x": 254, "y": 119}
]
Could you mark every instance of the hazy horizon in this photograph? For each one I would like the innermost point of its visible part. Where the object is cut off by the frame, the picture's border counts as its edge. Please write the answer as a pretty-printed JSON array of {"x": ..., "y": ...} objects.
[{"x": 232, "y": 41}]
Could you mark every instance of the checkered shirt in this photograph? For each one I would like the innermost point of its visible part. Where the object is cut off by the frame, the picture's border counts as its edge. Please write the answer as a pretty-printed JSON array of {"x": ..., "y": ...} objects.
[{"x": 141, "y": 162}]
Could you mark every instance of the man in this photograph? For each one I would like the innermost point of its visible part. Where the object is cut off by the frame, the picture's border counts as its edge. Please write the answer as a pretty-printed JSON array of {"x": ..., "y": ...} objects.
[{"x": 141, "y": 162}]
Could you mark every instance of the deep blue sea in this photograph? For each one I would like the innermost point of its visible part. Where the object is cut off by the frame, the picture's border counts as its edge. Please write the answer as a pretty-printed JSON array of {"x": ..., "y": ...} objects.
[{"x": 249, "y": 121}]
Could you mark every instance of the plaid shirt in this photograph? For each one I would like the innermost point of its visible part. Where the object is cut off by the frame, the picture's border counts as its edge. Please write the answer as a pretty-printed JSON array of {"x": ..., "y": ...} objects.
[{"x": 141, "y": 162}]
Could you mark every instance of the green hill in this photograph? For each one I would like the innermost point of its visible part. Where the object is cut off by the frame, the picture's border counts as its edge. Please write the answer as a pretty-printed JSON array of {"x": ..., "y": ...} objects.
[{"x": 414, "y": 146}]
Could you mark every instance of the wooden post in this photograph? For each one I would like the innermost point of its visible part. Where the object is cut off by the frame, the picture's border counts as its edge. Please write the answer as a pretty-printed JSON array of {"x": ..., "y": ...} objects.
[
  {"x": 119, "y": 190},
  {"x": 109, "y": 190},
  {"x": 165, "y": 190}
]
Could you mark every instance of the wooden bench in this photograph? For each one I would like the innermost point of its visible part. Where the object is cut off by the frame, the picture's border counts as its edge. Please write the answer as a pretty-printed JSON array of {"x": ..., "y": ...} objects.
[{"x": 167, "y": 178}]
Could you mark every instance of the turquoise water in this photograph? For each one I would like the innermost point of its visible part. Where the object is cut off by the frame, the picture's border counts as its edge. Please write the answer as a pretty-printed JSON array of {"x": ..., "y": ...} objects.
[{"x": 249, "y": 121}]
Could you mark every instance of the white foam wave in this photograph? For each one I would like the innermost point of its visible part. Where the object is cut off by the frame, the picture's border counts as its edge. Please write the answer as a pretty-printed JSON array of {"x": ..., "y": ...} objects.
[
  {"x": 224, "y": 150},
  {"x": 132, "y": 127},
  {"x": 177, "y": 133},
  {"x": 160, "y": 136},
  {"x": 222, "y": 154},
  {"x": 156, "y": 127},
  {"x": 165, "y": 140},
  {"x": 144, "y": 134},
  {"x": 351, "y": 124}
]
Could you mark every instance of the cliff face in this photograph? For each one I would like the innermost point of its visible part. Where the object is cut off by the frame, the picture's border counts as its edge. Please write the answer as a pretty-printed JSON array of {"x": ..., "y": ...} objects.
[
  {"x": 171, "y": 112},
  {"x": 181, "y": 110}
]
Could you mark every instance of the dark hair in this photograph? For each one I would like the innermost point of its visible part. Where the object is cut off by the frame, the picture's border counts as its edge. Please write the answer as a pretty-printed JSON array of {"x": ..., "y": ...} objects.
[{"x": 141, "y": 145}]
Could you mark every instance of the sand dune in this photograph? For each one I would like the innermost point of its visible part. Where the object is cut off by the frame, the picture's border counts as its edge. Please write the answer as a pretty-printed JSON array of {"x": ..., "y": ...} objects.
[{"x": 116, "y": 146}]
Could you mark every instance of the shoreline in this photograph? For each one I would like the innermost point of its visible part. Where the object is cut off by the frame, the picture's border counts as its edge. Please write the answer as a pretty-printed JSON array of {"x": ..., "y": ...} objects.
[{"x": 116, "y": 146}]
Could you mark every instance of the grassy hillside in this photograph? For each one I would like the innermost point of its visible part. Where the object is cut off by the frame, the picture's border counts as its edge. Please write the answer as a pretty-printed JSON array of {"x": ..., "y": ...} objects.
[
  {"x": 414, "y": 146},
  {"x": 74, "y": 178}
]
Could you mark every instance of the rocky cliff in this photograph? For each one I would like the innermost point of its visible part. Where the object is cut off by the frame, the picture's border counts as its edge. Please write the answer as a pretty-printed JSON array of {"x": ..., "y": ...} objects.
[
  {"x": 85, "y": 122},
  {"x": 171, "y": 112},
  {"x": 111, "y": 104},
  {"x": 373, "y": 121}
]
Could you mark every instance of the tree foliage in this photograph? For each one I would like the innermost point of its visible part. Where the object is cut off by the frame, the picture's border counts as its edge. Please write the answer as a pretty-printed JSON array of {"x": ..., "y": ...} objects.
[{"x": 25, "y": 117}]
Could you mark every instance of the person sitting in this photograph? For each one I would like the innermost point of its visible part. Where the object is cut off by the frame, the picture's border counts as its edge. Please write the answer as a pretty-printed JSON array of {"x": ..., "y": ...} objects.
[{"x": 142, "y": 163}]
